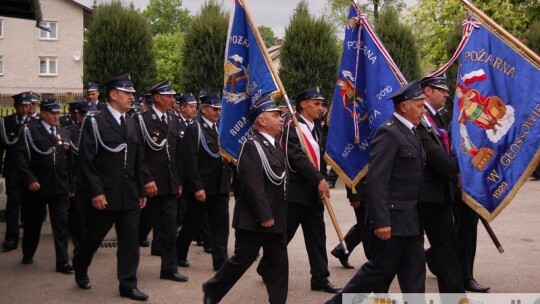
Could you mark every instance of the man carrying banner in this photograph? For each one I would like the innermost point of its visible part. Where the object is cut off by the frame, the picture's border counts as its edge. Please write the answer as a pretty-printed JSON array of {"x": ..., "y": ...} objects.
[
  {"x": 260, "y": 213},
  {"x": 306, "y": 188},
  {"x": 436, "y": 196},
  {"x": 394, "y": 180}
]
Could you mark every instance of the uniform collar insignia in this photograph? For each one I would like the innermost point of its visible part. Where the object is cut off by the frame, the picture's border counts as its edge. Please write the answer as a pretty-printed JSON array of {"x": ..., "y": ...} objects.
[
  {"x": 265, "y": 143},
  {"x": 154, "y": 117}
]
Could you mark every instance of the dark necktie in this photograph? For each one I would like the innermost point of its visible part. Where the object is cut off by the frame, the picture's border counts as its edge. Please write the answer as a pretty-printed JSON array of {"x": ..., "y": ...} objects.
[
  {"x": 163, "y": 119},
  {"x": 53, "y": 133},
  {"x": 214, "y": 127},
  {"x": 123, "y": 123},
  {"x": 314, "y": 133}
]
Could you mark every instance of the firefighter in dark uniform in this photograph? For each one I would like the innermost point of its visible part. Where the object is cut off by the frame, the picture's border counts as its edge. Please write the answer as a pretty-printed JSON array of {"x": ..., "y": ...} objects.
[
  {"x": 306, "y": 188},
  {"x": 111, "y": 158},
  {"x": 186, "y": 111},
  {"x": 394, "y": 180},
  {"x": 10, "y": 130},
  {"x": 436, "y": 197},
  {"x": 206, "y": 183},
  {"x": 91, "y": 93},
  {"x": 330, "y": 176},
  {"x": 260, "y": 213},
  {"x": 161, "y": 134},
  {"x": 46, "y": 162},
  {"x": 80, "y": 203}
]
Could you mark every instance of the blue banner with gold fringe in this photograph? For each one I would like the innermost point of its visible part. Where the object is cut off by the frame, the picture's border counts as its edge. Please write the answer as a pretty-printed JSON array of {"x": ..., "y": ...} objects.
[
  {"x": 247, "y": 78},
  {"x": 495, "y": 128},
  {"x": 367, "y": 77}
]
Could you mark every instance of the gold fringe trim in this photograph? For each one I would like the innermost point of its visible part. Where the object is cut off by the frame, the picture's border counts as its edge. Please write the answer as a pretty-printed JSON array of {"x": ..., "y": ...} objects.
[
  {"x": 351, "y": 183},
  {"x": 483, "y": 212}
]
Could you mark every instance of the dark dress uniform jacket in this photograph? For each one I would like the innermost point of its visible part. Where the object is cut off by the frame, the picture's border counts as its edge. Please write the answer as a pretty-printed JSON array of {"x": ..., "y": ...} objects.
[
  {"x": 203, "y": 172},
  {"x": 161, "y": 165},
  {"x": 55, "y": 171},
  {"x": 117, "y": 175},
  {"x": 304, "y": 178},
  {"x": 440, "y": 168},
  {"x": 12, "y": 134},
  {"x": 258, "y": 199},
  {"x": 394, "y": 182}
]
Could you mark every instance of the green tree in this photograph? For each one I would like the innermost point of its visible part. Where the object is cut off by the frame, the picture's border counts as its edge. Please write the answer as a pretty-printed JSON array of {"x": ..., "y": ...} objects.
[
  {"x": 336, "y": 11},
  {"x": 167, "y": 16},
  {"x": 532, "y": 37},
  {"x": 309, "y": 55},
  {"x": 267, "y": 35},
  {"x": 169, "y": 56},
  {"x": 204, "y": 49},
  {"x": 433, "y": 21},
  {"x": 119, "y": 41},
  {"x": 399, "y": 41}
]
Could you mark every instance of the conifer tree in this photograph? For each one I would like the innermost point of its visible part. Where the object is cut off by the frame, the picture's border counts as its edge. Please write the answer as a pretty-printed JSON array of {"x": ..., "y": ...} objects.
[
  {"x": 309, "y": 55},
  {"x": 119, "y": 41},
  {"x": 204, "y": 50},
  {"x": 399, "y": 41}
]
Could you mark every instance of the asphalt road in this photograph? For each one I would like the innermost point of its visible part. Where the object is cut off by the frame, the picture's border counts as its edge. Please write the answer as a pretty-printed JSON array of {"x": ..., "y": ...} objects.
[{"x": 515, "y": 271}]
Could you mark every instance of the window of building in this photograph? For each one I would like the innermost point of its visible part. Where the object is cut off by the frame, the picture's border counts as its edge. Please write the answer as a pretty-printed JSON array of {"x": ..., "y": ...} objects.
[
  {"x": 52, "y": 33},
  {"x": 1, "y": 64},
  {"x": 1, "y": 28},
  {"x": 48, "y": 66}
]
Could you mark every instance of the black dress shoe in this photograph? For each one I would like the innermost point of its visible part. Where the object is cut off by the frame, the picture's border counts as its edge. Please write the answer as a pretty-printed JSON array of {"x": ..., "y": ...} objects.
[
  {"x": 83, "y": 282},
  {"x": 472, "y": 285},
  {"x": 208, "y": 300},
  {"x": 208, "y": 250},
  {"x": 155, "y": 253},
  {"x": 134, "y": 294},
  {"x": 342, "y": 257},
  {"x": 326, "y": 287},
  {"x": 9, "y": 245},
  {"x": 27, "y": 260},
  {"x": 144, "y": 243},
  {"x": 174, "y": 277},
  {"x": 183, "y": 263},
  {"x": 65, "y": 268}
]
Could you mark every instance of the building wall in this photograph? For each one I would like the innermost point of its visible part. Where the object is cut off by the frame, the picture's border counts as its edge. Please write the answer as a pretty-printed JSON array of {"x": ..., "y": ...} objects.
[{"x": 21, "y": 48}]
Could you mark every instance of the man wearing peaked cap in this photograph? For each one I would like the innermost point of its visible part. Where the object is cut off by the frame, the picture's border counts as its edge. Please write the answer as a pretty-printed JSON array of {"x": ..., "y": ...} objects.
[
  {"x": 206, "y": 184},
  {"x": 15, "y": 186},
  {"x": 46, "y": 162},
  {"x": 73, "y": 108},
  {"x": 394, "y": 182},
  {"x": 34, "y": 104},
  {"x": 186, "y": 110},
  {"x": 260, "y": 213},
  {"x": 436, "y": 196},
  {"x": 161, "y": 132},
  {"x": 91, "y": 93},
  {"x": 306, "y": 188},
  {"x": 110, "y": 154}
]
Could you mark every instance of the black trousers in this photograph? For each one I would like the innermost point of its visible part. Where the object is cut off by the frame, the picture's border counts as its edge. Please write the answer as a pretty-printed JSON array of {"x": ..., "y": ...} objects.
[
  {"x": 311, "y": 218},
  {"x": 400, "y": 255},
  {"x": 79, "y": 208},
  {"x": 14, "y": 192},
  {"x": 439, "y": 227},
  {"x": 166, "y": 227},
  {"x": 466, "y": 231},
  {"x": 246, "y": 248},
  {"x": 216, "y": 207},
  {"x": 149, "y": 222},
  {"x": 126, "y": 223},
  {"x": 33, "y": 209},
  {"x": 358, "y": 233}
]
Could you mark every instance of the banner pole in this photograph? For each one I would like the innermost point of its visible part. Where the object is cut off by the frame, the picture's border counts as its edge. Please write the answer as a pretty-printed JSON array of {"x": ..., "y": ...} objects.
[{"x": 259, "y": 39}]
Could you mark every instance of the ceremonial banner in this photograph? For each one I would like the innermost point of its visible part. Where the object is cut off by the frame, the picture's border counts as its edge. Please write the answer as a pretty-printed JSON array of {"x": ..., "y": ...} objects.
[
  {"x": 495, "y": 131},
  {"x": 247, "y": 78},
  {"x": 367, "y": 77}
]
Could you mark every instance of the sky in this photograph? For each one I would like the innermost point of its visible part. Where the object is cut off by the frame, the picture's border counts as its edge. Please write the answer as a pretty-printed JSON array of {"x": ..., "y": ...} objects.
[{"x": 272, "y": 13}]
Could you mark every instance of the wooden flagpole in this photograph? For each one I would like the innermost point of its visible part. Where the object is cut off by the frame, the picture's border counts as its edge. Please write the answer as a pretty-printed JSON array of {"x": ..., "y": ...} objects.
[
  {"x": 518, "y": 44},
  {"x": 259, "y": 39}
]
